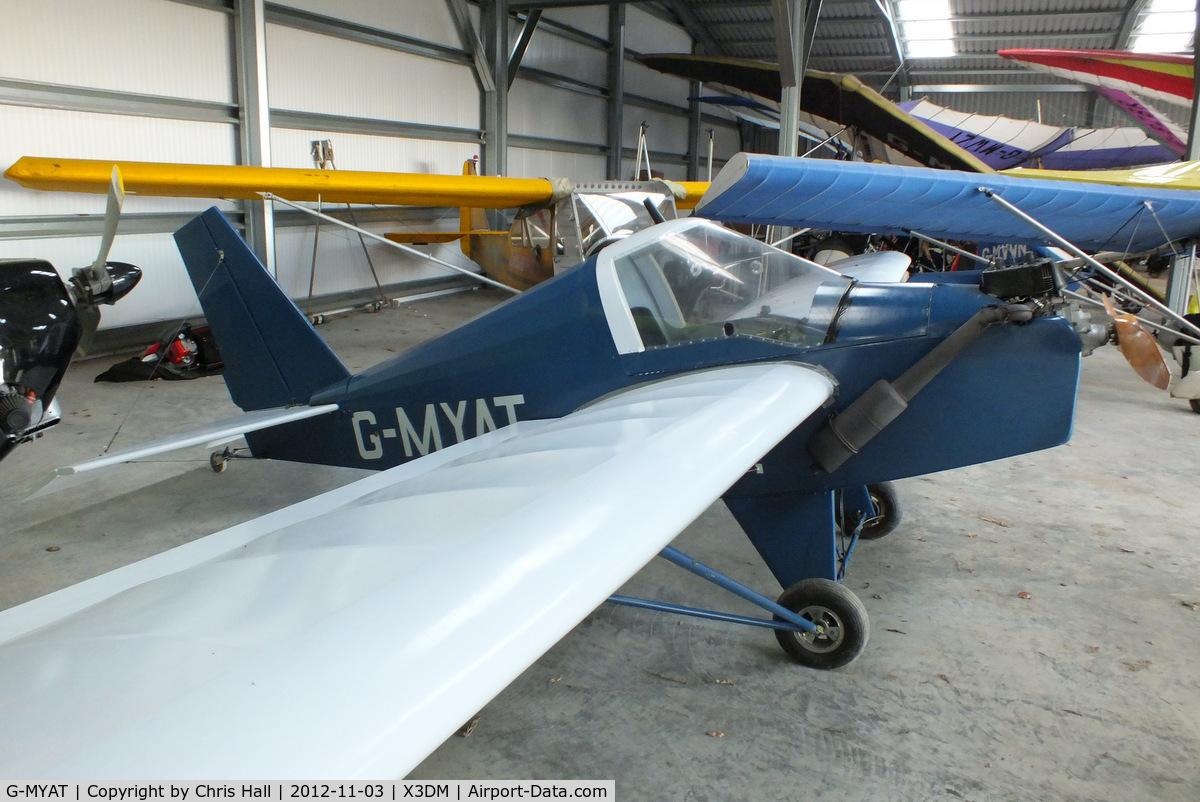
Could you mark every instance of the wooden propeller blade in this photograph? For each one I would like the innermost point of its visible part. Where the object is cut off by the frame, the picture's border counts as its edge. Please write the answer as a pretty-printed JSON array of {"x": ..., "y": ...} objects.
[{"x": 1139, "y": 348}]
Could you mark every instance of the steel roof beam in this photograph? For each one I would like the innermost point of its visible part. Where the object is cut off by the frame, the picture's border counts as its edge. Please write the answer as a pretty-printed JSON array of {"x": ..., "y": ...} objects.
[{"x": 696, "y": 28}]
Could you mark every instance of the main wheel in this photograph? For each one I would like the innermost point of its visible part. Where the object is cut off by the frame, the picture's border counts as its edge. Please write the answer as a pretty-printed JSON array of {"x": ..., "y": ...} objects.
[
  {"x": 840, "y": 615},
  {"x": 1195, "y": 405},
  {"x": 887, "y": 511}
]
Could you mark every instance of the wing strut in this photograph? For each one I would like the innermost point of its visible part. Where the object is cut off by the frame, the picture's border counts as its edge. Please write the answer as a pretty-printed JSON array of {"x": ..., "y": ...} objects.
[
  {"x": 399, "y": 246},
  {"x": 1144, "y": 296}
]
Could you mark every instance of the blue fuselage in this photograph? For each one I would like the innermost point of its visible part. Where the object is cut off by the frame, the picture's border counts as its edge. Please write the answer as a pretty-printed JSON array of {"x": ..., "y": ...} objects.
[{"x": 549, "y": 351}]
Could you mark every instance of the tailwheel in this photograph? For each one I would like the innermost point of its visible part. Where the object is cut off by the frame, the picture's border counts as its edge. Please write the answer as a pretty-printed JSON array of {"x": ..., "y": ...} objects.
[
  {"x": 838, "y": 613},
  {"x": 219, "y": 460}
]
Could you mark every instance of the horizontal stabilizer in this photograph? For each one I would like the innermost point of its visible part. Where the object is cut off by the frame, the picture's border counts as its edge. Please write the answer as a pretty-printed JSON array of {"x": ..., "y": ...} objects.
[
  {"x": 349, "y": 635},
  {"x": 209, "y": 434},
  {"x": 887, "y": 199}
]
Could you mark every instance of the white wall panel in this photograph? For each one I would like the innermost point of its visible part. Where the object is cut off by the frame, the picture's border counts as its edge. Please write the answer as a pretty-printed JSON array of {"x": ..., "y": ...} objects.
[
  {"x": 145, "y": 46},
  {"x": 539, "y": 110},
  {"x": 164, "y": 293},
  {"x": 525, "y": 163},
  {"x": 646, "y": 33},
  {"x": 419, "y": 19},
  {"x": 589, "y": 19},
  {"x": 291, "y": 148},
  {"x": 311, "y": 72},
  {"x": 727, "y": 142},
  {"x": 83, "y": 135},
  {"x": 566, "y": 57},
  {"x": 641, "y": 80}
]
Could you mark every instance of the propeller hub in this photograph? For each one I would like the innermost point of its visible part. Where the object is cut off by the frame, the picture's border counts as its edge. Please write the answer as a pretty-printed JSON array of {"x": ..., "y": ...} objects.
[{"x": 18, "y": 412}]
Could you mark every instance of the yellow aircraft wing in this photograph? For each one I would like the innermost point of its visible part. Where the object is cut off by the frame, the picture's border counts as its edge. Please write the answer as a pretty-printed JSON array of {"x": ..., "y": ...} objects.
[
  {"x": 695, "y": 191},
  {"x": 161, "y": 179},
  {"x": 1176, "y": 175},
  {"x": 330, "y": 186}
]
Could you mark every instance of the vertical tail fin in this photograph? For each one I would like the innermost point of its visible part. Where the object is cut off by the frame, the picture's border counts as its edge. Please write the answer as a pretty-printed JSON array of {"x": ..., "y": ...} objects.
[{"x": 273, "y": 356}]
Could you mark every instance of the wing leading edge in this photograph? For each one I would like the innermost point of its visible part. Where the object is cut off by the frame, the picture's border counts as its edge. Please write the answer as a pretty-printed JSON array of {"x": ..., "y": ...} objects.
[
  {"x": 297, "y": 184},
  {"x": 349, "y": 635},
  {"x": 887, "y": 199}
]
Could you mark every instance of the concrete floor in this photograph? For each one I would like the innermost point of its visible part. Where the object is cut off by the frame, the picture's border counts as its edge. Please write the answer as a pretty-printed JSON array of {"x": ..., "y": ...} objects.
[{"x": 1087, "y": 689}]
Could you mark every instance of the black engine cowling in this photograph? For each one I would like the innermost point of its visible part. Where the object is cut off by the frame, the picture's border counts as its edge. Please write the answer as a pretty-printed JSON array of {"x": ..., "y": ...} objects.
[{"x": 39, "y": 332}]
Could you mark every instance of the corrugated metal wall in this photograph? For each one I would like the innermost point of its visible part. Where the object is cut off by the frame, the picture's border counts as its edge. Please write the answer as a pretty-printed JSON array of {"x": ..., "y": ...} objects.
[{"x": 388, "y": 81}]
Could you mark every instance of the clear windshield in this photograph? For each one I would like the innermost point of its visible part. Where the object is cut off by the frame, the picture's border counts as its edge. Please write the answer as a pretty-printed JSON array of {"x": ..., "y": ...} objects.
[{"x": 700, "y": 281}]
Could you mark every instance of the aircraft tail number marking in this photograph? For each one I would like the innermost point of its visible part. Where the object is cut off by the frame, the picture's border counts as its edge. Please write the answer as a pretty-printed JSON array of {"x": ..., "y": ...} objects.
[{"x": 370, "y": 439}]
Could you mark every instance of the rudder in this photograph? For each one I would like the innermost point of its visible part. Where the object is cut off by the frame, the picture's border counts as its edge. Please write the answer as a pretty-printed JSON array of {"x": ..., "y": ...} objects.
[{"x": 273, "y": 356}]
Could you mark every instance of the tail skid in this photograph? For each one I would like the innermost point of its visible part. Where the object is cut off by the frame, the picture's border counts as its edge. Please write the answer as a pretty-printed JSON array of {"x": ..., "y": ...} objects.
[{"x": 273, "y": 356}]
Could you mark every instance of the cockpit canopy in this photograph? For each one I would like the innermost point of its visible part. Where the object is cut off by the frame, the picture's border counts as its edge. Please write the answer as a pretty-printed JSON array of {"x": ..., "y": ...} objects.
[{"x": 691, "y": 279}]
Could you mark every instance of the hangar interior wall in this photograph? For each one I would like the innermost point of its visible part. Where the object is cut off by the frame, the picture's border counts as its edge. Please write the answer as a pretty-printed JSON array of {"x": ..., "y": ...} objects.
[{"x": 389, "y": 82}]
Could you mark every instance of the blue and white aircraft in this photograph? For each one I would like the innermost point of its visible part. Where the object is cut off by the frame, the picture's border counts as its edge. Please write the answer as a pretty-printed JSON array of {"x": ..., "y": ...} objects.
[{"x": 531, "y": 462}]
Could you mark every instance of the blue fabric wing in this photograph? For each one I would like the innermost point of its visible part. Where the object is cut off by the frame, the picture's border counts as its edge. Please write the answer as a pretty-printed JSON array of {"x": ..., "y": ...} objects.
[{"x": 887, "y": 199}]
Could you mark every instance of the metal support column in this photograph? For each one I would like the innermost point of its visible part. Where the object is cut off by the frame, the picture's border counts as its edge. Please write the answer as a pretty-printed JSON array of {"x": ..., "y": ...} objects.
[
  {"x": 254, "y": 119},
  {"x": 1180, "y": 286},
  {"x": 1193, "y": 140},
  {"x": 1182, "y": 264},
  {"x": 789, "y": 36},
  {"x": 615, "y": 135},
  {"x": 495, "y": 102},
  {"x": 795, "y": 24},
  {"x": 693, "y": 165}
]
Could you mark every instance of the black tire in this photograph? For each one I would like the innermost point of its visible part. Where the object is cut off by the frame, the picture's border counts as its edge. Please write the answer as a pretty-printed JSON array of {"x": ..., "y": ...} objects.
[
  {"x": 887, "y": 511},
  {"x": 1194, "y": 403},
  {"x": 832, "y": 606}
]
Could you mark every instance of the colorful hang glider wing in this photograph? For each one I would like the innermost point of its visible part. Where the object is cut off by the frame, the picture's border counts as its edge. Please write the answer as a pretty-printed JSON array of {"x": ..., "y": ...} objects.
[
  {"x": 887, "y": 199},
  {"x": 841, "y": 98},
  {"x": 1005, "y": 143},
  {"x": 1160, "y": 76},
  {"x": 1163, "y": 128},
  {"x": 1121, "y": 77},
  {"x": 348, "y": 635}
]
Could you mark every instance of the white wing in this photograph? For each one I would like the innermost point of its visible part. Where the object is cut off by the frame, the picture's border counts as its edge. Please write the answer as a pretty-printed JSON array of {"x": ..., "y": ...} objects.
[{"x": 349, "y": 635}]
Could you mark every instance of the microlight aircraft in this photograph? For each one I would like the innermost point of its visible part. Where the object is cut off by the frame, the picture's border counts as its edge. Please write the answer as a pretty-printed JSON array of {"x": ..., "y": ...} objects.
[{"x": 534, "y": 459}]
